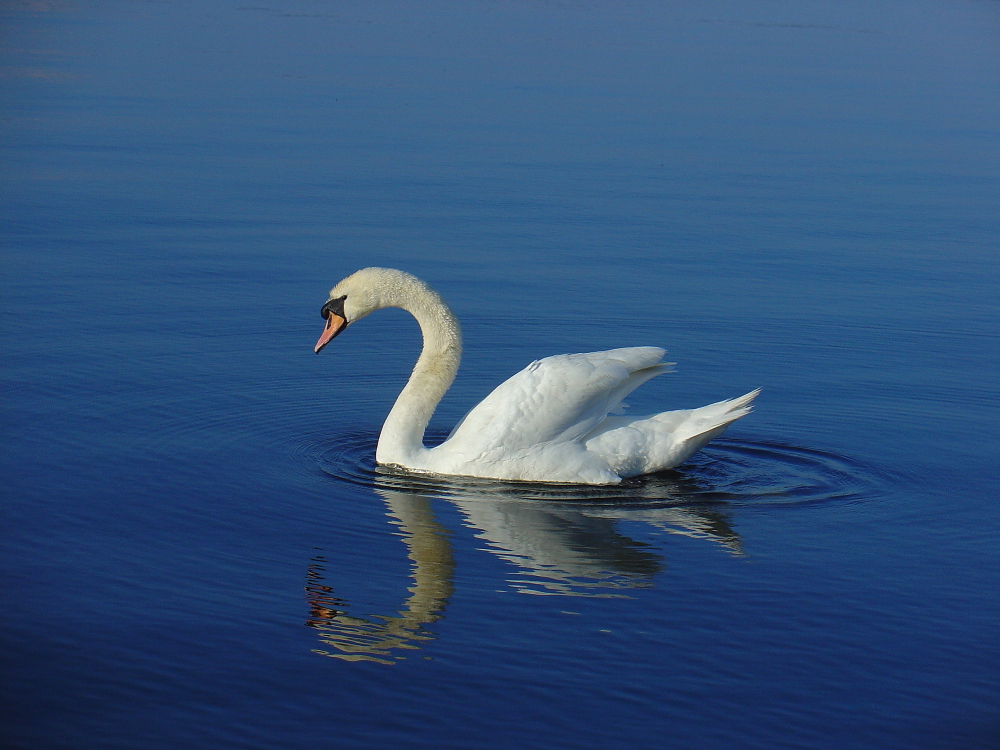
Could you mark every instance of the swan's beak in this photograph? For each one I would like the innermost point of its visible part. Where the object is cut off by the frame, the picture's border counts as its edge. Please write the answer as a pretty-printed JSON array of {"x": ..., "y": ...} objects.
[{"x": 334, "y": 325}]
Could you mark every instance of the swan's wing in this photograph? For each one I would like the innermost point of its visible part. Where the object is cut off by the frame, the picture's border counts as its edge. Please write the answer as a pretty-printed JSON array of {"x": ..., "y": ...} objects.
[{"x": 556, "y": 400}]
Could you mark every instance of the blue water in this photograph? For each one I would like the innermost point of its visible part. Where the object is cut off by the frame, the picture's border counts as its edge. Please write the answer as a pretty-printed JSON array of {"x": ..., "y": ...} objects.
[{"x": 198, "y": 550}]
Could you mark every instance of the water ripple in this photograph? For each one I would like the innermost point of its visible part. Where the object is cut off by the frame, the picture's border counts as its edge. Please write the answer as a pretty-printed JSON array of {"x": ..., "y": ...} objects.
[{"x": 731, "y": 471}]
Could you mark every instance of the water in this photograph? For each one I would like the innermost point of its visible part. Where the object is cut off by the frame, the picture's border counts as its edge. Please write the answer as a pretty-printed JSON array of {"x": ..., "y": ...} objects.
[{"x": 198, "y": 548}]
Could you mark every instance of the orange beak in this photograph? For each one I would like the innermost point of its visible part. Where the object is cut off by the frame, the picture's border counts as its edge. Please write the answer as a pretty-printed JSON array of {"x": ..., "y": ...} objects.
[{"x": 334, "y": 325}]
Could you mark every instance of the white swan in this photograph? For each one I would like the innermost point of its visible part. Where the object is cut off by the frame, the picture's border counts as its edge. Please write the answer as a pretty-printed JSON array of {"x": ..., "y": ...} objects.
[{"x": 548, "y": 423}]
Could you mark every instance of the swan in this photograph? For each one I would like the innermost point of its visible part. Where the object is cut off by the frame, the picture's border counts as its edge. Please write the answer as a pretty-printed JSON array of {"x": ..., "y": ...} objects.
[{"x": 548, "y": 423}]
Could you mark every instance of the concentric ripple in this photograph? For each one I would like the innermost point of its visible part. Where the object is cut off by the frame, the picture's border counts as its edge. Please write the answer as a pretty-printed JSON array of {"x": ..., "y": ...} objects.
[{"x": 730, "y": 471}]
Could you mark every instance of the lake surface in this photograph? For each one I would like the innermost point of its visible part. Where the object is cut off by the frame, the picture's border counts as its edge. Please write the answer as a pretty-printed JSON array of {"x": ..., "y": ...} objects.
[{"x": 198, "y": 550}]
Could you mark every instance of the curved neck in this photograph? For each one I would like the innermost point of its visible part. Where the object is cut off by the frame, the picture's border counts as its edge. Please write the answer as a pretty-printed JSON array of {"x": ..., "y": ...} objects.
[{"x": 402, "y": 436}]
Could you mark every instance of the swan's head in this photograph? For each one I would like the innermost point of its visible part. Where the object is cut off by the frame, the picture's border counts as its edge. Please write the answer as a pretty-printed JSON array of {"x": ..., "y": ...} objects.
[{"x": 364, "y": 292}]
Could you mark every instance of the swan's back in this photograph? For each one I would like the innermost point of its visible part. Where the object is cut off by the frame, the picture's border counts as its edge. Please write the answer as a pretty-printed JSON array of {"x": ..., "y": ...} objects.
[
  {"x": 558, "y": 399},
  {"x": 538, "y": 418}
]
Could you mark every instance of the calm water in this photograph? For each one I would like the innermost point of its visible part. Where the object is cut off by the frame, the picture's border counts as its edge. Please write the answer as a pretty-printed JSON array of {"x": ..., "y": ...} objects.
[{"x": 198, "y": 551}]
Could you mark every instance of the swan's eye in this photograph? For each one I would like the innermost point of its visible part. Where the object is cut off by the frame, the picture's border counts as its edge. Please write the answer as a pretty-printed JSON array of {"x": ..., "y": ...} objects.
[{"x": 335, "y": 306}]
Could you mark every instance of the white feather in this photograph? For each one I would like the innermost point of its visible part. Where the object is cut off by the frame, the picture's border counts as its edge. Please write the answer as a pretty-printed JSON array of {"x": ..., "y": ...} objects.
[{"x": 548, "y": 423}]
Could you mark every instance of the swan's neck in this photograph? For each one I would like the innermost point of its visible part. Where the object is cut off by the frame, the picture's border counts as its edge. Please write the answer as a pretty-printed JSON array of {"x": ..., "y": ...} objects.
[{"x": 402, "y": 438}]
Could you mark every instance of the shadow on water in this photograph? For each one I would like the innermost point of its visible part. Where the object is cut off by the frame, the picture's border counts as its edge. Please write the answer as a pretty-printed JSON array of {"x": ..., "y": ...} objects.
[{"x": 562, "y": 540}]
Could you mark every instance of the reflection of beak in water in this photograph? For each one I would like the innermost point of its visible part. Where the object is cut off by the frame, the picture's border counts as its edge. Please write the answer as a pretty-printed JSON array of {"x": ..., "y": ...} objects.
[{"x": 359, "y": 639}]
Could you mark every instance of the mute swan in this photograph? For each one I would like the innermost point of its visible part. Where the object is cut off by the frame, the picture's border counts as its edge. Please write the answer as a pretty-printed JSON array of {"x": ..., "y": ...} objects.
[{"x": 547, "y": 423}]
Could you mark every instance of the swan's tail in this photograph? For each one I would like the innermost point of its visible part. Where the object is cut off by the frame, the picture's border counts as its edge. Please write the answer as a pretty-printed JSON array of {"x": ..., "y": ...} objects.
[
  {"x": 662, "y": 441},
  {"x": 705, "y": 423},
  {"x": 712, "y": 417}
]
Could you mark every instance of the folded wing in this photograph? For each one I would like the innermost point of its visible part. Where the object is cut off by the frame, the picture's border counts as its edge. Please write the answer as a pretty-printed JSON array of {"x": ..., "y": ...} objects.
[{"x": 557, "y": 399}]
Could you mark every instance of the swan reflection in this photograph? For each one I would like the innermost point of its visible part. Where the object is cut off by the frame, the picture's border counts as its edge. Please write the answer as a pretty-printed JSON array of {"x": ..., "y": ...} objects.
[
  {"x": 577, "y": 549},
  {"x": 360, "y": 639},
  {"x": 559, "y": 541}
]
